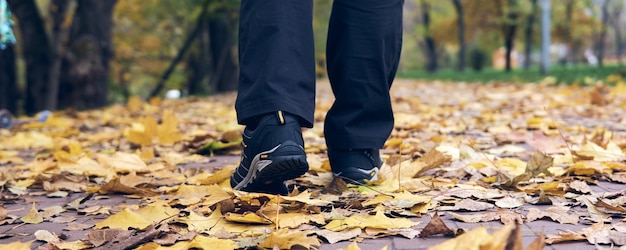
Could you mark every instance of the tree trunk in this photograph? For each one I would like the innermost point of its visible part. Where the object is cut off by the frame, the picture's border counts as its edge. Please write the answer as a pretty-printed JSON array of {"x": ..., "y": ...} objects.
[
  {"x": 429, "y": 41},
  {"x": 510, "y": 27},
  {"x": 36, "y": 51},
  {"x": 603, "y": 31},
  {"x": 225, "y": 71},
  {"x": 458, "y": 6},
  {"x": 85, "y": 67},
  {"x": 567, "y": 36},
  {"x": 618, "y": 41},
  {"x": 59, "y": 35},
  {"x": 8, "y": 80},
  {"x": 529, "y": 34}
]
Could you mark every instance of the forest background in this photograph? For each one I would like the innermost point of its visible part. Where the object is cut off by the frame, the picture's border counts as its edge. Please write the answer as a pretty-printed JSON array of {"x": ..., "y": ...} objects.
[{"x": 83, "y": 54}]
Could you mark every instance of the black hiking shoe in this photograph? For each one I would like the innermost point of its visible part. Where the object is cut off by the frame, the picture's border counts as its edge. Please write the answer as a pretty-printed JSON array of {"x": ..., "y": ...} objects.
[
  {"x": 273, "y": 152},
  {"x": 355, "y": 166}
]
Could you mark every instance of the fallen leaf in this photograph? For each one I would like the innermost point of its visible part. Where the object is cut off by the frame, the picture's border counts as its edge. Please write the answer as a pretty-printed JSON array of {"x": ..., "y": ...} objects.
[
  {"x": 435, "y": 226},
  {"x": 124, "y": 220},
  {"x": 17, "y": 245},
  {"x": 46, "y": 236},
  {"x": 352, "y": 246},
  {"x": 285, "y": 239},
  {"x": 333, "y": 237},
  {"x": 100, "y": 237},
  {"x": 32, "y": 216},
  {"x": 510, "y": 202},
  {"x": 376, "y": 221},
  {"x": 556, "y": 213},
  {"x": 467, "y": 205}
]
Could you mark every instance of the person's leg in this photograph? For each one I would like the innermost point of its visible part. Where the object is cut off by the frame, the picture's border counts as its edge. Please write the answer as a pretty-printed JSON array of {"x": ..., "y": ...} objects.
[
  {"x": 363, "y": 51},
  {"x": 276, "y": 94},
  {"x": 277, "y": 59}
]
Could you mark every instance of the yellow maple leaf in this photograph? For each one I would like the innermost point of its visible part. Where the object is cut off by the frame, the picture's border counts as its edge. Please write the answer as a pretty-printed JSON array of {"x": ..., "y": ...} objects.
[
  {"x": 123, "y": 162},
  {"x": 247, "y": 217},
  {"x": 294, "y": 220},
  {"x": 305, "y": 197},
  {"x": 158, "y": 211},
  {"x": 143, "y": 133},
  {"x": 203, "y": 242},
  {"x": 477, "y": 238},
  {"x": 32, "y": 216},
  {"x": 352, "y": 246},
  {"x": 376, "y": 221},
  {"x": 168, "y": 132},
  {"x": 124, "y": 220},
  {"x": 285, "y": 239},
  {"x": 17, "y": 245}
]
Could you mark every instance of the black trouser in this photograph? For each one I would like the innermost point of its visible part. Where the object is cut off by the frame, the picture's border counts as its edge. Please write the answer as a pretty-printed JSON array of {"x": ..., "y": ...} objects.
[{"x": 277, "y": 61}]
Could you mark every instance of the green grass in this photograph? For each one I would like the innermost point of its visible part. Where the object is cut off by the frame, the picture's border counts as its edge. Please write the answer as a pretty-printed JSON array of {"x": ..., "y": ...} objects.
[{"x": 564, "y": 74}]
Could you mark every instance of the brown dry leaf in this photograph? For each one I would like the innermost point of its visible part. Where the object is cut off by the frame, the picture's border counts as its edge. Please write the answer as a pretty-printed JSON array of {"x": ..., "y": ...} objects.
[
  {"x": 565, "y": 236},
  {"x": 285, "y": 239},
  {"x": 32, "y": 216},
  {"x": 434, "y": 227},
  {"x": 73, "y": 226},
  {"x": 116, "y": 186},
  {"x": 336, "y": 187},
  {"x": 433, "y": 159},
  {"x": 538, "y": 244},
  {"x": 100, "y": 237},
  {"x": 538, "y": 164},
  {"x": 556, "y": 213},
  {"x": 608, "y": 206}
]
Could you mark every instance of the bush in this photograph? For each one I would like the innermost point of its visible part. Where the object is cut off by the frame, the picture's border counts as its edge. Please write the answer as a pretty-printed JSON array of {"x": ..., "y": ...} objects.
[{"x": 477, "y": 58}]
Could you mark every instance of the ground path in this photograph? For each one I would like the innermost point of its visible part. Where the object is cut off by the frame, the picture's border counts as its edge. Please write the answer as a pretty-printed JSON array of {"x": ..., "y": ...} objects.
[{"x": 488, "y": 130}]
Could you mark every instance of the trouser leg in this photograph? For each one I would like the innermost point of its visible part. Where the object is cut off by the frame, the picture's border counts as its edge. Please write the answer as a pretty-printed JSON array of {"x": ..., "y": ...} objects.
[
  {"x": 277, "y": 59},
  {"x": 363, "y": 51}
]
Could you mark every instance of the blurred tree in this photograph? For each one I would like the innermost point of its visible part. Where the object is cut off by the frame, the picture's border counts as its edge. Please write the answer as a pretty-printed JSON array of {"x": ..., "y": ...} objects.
[
  {"x": 76, "y": 75},
  {"x": 616, "y": 14},
  {"x": 458, "y": 6},
  {"x": 528, "y": 33},
  {"x": 85, "y": 69},
  {"x": 510, "y": 14},
  {"x": 428, "y": 42},
  {"x": 8, "y": 81},
  {"x": 601, "y": 43},
  {"x": 36, "y": 52}
]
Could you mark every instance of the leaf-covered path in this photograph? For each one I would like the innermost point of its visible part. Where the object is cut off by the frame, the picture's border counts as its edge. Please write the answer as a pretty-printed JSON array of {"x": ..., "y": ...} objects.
[{"x": 489, "y": 165}]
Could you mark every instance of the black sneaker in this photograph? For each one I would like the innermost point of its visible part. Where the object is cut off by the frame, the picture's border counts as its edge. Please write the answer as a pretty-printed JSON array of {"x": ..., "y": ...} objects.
[
  {"x": 272, "y": 153},
  {"x": 355, "y": 166}
]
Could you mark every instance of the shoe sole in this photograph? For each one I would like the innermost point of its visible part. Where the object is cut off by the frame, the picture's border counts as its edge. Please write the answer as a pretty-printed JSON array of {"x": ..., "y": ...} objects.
[{"x": 284, "y": 162}]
